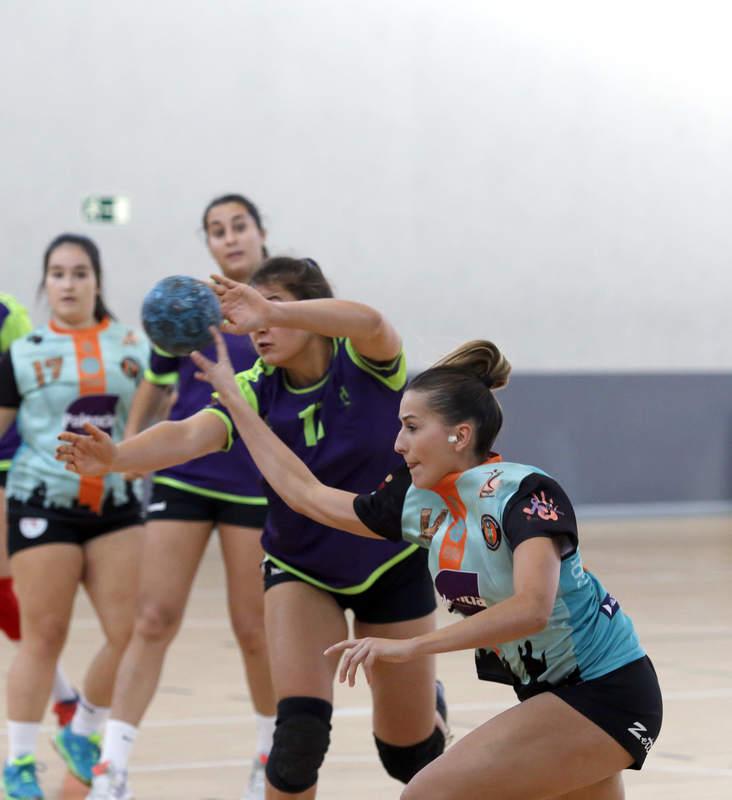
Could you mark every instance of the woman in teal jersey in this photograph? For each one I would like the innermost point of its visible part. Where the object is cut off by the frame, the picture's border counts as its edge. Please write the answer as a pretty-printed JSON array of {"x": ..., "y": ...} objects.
[
  {"x": 189, "y": 500},
  {"x": 15, "y": 323},
  {"x": 503, "y": 551},
  {"x": 82, "y": 366}
]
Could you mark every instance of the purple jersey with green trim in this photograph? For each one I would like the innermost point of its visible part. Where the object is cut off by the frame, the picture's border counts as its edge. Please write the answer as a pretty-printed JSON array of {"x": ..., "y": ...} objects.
[
  {"x": 343, "y": 427},
  {"x": 232, "y": 473}
]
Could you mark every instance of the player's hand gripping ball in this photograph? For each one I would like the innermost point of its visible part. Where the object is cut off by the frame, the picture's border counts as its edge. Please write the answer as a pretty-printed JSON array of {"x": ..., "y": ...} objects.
[{"x": 177, "y": 313}]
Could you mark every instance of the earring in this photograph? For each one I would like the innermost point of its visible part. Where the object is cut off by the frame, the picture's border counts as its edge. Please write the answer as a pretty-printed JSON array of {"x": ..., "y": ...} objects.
[{"x": 452, "y": 438}]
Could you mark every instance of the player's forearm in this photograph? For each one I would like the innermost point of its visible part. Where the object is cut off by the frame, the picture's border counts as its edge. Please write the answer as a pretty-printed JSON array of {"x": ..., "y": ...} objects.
[
  {"x": 327, "y": 316},
  {"x": 163, "y": 445},
  {"x": 507, "y": 621},
  {"x": 282, "y": 469}
]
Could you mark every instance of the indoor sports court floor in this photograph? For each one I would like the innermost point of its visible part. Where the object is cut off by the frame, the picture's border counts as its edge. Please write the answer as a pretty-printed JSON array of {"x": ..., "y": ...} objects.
[{"x": 673, "y": 575}]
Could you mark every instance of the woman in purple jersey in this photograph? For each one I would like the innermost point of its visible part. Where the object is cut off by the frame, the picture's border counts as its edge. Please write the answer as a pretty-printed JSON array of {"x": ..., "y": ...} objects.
[
  {"x": 189, "y": 500},
  {"x": 329, "y": 381}
]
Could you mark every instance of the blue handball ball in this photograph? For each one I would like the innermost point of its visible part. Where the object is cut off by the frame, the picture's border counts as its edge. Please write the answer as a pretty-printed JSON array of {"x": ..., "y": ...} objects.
[{"x": 177, "y": 313}]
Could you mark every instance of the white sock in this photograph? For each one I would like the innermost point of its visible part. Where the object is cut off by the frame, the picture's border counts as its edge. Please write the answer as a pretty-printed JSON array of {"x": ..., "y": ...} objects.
[
  {"x": 62, "y": 689},
  {"x": 264, "y": 727},
  {"x": 22, "y": 739},
  {"x": 88, "y": 718},
  {"x": 118, "y": 740}
]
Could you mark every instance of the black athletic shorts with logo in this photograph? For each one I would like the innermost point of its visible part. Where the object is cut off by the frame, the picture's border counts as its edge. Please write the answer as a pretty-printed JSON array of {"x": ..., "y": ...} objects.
[
  {"x": 626, "y": 703},
  {"x": 167, "y": 502},
  {"x": 402, "y": 593},
  {"x": 32, "y": 526}
]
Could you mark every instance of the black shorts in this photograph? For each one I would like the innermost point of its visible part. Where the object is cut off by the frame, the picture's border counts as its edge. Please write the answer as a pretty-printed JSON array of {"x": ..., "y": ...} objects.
[
  {"x": 626, "y": 703},
  {"x": 32, "y": 526},
  {"x": 168, "y": 502},
  {"x": 402, "y": 593},
  {"x": 3, "y": 478}
]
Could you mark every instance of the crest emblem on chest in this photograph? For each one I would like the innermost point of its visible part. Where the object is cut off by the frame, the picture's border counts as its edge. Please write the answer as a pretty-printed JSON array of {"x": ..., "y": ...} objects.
[{"x": 491, "y": 531}]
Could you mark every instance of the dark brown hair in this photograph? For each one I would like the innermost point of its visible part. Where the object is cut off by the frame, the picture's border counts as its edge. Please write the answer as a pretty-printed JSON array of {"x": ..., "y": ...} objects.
[
  {"x": 460, "y": 386},
  {"x": 92, "y": 251},
  {"x": 301, "y": 277}
]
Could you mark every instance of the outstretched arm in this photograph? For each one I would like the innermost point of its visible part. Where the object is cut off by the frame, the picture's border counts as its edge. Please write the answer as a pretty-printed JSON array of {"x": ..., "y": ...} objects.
[
  {"x": 163, "y": 445},
  {"x": 246, "y": 310},
  {"x": 282, "y": 469},
  {"x": 536, "y": 578}
]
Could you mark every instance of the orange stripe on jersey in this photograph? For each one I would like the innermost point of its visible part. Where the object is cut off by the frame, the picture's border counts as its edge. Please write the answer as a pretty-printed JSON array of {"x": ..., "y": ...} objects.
[
  {"x": 452, "y": 549},
  {"x": 92, "y": 380}
]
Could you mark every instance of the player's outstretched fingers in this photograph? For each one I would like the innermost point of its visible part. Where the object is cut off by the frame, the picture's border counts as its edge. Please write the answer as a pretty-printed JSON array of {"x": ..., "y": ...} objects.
[
  {"x": 68, "y": 436},
  {"x": 94, "y": 432},
  {"x": 200, "y": 361},
  {"x": 358, "y": 656},
  {"x": 223, "y": 283},
  {"x": 222, "y": 353},
  {"x": 64, "y": 452}
]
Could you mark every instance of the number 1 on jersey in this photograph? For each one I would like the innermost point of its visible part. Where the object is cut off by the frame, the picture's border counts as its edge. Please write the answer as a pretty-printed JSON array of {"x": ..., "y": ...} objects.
[{"x": 313, "y": 432}]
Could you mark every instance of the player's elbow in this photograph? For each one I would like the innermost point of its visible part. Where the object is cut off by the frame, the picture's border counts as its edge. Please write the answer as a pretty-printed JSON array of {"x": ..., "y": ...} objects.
[{"x": 537, "y": 611}]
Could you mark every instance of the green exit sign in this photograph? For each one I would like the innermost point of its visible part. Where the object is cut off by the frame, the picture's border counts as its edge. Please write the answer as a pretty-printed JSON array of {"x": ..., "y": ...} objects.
[{"x": 107, "y": 208}]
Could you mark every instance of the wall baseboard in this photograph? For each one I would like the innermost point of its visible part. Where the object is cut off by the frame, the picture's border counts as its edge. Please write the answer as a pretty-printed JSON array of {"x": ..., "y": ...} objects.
[{"x": 636, "y": 439}]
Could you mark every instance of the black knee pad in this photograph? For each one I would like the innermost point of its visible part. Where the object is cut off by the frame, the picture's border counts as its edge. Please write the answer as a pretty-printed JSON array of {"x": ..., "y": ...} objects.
[
  {"x": 301, "y": 739},
  {"x": 403, "y": 763}
]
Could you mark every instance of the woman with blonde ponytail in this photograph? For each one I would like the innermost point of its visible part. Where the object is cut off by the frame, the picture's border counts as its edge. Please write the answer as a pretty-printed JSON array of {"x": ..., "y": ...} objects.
[{"x": 503, "y": 553}]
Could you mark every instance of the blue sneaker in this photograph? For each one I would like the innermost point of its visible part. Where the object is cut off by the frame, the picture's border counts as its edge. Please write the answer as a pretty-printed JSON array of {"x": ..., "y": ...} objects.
[
  {"x": 19, "y": 779},
  {"x": 441, "y": 711},
  {"x": 80, "y": 753}
]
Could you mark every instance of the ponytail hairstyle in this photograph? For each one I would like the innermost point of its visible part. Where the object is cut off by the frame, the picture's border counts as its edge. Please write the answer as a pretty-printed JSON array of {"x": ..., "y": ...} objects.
[
  {"x": 301, "y": 277},
  {"x": 459, "y": 388},
  {"x": 246, "y": 203},
  {"x": 92, "y": 251}
]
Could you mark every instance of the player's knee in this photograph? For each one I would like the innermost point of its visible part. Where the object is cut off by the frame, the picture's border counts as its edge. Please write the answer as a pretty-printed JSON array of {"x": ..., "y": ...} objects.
[
  {"x": 403, "y": 763},
  {"x": 156, "y": 622},
  {"x": 301, "y": 740},
  {"x": 45, "y": 635},
  {"x": 249, "y": 632}
]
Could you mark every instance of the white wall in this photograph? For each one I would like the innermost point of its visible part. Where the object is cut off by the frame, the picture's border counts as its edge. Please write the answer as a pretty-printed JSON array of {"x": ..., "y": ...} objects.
[{"x": 555, "y": 176}]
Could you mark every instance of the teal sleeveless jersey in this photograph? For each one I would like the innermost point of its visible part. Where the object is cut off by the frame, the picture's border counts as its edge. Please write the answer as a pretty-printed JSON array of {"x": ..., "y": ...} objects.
[
  {"x": 65, "y": 378},
  {"x": 472, "y": 522}
]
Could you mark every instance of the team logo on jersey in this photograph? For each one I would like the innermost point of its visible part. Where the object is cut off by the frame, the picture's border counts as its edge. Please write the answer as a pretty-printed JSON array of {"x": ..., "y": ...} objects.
[
  {"x": 490, "y": 487},
  {"x": 33, "y": 527},
  {"x": 543, "y": 507},
  {"x": 130, "y": 338},
  {"x": 460, "y": 591},
  {"x": 98, "y": 409},
  {"x": 428, "y": 529},
  {"x": 130, "y": 367},
  {"x": 609, "y": 606},
  {"x": 491, "y": 531}
]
